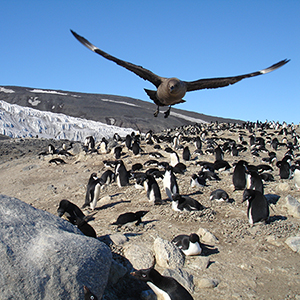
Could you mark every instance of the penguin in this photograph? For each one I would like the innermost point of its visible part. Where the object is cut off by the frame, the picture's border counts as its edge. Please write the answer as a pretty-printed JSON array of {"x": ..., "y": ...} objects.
[
  {"x": 221, "y": 164},
  {"x": 297, "y": 177},
  {"x": 155, "y": 155},
  {"x": 198, "y": 143},
  {"x": 219, "y": 154},
  {"x": 117, "y": 137},
  {"x": 136, "y": 149},
  {"x": 92, "y": 191},
  {"x": 174, "y": 159},
  {"x": 88, "y": 295},
  {"x": 219, "y": 195},
  {"x": 239, "y": 175},
  {"x": 179, "y": 168},
  {"x": 85, "y": 228},
  {"x": 117, "y": 152},
  {"x": 107, "y": 177},
  {"x": 170, "y": 182},
  {"x": 197, "y": 181},
  {"x": 103, "y": 145},
  {"x": 51, "y": 149},
  {"x": 209, "y": 175},
  {"x": 181, "y": 203},
  {"x": 136, "y": 167},
  {"x": 89, "y": 142},
  {"x": 284, "y": 169},
  {"x": 258, "y": 207},
  {"x": 188, "y": 244},
  {"x": 152, "y": 189},
  {"x": 70, "y": 210},
  {"x": 267, "y": 177},
  {"x": 186, "y": 154},
  {"x": 254, "y": 181},
  {"x": 157, "y": 174},
  {"x": 166, "y": 288},
  {"x": 121, "y": 174},
  {"x": 130, "y": 217},
  {"x": 128, "y": 141},
  {"x": 262, "y": 167},
  {"x": 151, "y": 162},
  {"x": 57, "y": 161}
]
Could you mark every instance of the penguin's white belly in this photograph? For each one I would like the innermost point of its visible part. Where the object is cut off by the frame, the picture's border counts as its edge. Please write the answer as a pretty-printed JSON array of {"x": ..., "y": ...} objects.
[
  {"x": 161, "y": 295},
  {"x": 194, "y": 249}
]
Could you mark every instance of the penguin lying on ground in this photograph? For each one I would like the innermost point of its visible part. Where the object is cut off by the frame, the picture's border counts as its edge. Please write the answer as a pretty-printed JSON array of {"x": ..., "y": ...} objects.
[
  {"x": 70, "y": 210},
  {"x": 219, "y": 195},
  {"x": 180, "y": 203},
  {"x": 130, "y": 217},
  {"x": 188, "y": 244},
  {"x": 164, "y": 287}
]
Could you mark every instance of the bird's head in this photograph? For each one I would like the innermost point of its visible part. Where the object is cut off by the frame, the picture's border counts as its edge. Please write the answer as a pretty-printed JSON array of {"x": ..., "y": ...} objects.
[{"x": 174, "y": 85}]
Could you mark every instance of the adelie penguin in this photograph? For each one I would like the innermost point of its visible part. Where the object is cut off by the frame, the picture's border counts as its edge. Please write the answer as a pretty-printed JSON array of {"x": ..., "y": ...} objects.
[
  {"x": 258, "y": 207},
  {"x": 70, "y": 210},
  {"x": 92, "y": 191},
  {"x": 188, "y": 244},
  {"x": 170, "y": 182},
  {"x": 152, "y": 189},
  {"x": 219, "y": 195},
  {"x": 239, "y": 175},
  {"x": 165, "y": 288},
  {"x": 122, "y": 175},
  {"x": 130, "y": 217},
  {"x": 88, "y": 295},
  {"x": 181, "y": 203}
]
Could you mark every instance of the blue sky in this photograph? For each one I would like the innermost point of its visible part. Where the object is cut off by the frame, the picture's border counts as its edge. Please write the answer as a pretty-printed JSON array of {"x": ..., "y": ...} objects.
[{"x": 185, "y": 39}]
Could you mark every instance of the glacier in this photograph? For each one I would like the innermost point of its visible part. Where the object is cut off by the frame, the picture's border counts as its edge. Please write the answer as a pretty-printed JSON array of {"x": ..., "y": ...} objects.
[{"x": 20, "y": 122}]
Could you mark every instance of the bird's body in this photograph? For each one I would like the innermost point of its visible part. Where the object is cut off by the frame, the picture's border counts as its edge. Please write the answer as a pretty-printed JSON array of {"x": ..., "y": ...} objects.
[{"x": 170, "y": 91}]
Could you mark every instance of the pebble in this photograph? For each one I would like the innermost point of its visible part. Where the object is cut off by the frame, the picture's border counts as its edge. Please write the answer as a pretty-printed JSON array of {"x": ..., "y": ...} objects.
[
  {"x": 294, "y": 243},
  {"x": 140, "y": 256},
  {"x": 167, "y": 255},
  {"x": 118, "y": 239},
  {"x": 198, "y": 262},
  {"x": 207, "y": 237},
  {"x": 206, "y": 283},
  {"x": 293, "y": 206}
]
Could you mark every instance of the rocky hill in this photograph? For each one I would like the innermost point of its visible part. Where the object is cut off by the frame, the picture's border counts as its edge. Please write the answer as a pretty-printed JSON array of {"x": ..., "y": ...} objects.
[{"x": 108, "y": 109}]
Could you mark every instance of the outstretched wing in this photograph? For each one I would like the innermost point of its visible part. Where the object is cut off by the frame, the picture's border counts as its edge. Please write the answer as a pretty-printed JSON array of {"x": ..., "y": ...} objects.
[
  {"x": 138, "y": 70},
  {"x": 213, "y": 83}
]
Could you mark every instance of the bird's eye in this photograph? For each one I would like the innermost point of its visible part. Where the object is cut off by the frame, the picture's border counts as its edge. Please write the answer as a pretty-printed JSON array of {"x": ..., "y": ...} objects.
[{"x": 144, "y": 275}]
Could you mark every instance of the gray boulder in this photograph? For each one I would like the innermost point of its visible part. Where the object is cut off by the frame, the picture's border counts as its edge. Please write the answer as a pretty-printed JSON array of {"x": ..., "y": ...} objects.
[
  {"x": 45, "y": 257},
  {"x": 293, "y": 206}
]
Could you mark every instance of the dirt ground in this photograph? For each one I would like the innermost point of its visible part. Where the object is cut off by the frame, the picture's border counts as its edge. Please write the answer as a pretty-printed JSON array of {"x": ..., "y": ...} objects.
[{"x": 249, "y": 262}]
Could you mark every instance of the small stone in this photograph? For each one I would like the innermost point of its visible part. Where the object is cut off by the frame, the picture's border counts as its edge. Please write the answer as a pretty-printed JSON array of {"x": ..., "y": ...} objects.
[
  {"x": 182, "y": 276},
  {"x": 118, "y": 239},
  {"x": 167, "y": 255},
  {"x": 140, "y": 256},
  {"x": 198, "y": 262},
  {"x": 294, "y": 243},
  {"x": 206, "y": 283},
  {"x": 293, "y": 206},
  {"x": 283, "y": 186},
  {"x": 207, "y": 237}
]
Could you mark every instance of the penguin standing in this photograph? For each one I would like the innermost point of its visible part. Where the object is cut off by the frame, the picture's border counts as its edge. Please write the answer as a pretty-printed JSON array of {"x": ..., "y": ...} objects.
[
  {"x": 186, "y": 154},
  {"x": 170, "y": 182},
  {"x": 122, "y": 175},
  {"x": 254, "y": 181},
  {"x": 239, "y": 175},
  {"x": 136, "y": 149},
  {"x": 258, "y": 207},
  {"x": 284, "y": 168},
  {"x": 89, "y": 142},
  {"x": 152, "y": 189},
  {"x": 117, "y": 152},
  {"x": 297, "y": 177},
  {"x": 188, "y": 244},
  {"x": 174, "y": 159},
  {"x": 197, "y": 181},
  {"x": 92, "y": 191},
  {"x": 164, "y": 287},
  {"x": 219, "y": 154},
  {"x": 85, "y": 228}
]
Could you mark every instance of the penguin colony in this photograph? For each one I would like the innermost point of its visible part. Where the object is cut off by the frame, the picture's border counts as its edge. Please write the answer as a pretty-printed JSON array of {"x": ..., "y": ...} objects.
[{"x": 156, "y": 163}]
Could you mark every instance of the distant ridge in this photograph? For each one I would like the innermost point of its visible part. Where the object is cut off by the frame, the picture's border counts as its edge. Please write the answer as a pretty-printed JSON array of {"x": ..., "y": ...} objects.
[{"x": 109, "y": 109}]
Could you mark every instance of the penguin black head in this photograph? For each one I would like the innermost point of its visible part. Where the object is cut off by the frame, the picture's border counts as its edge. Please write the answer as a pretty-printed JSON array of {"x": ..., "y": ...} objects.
[
  {"x": 248, "y": 195},
  {"x": 88, "y": 295},
  {"x": 63, "y": 206},
  {"x": 145, "y": 275},
  {"x": 194, "y": 238}
]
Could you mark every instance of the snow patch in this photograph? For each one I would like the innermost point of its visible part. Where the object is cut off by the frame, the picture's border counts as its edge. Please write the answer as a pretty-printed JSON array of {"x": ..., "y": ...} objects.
[
  {"x": 191, "y": 119},
  {"x": 120, "y": 102},
  {"x": 18, "y": 122},
  {"x": 4, "y": 90},
  {"x": 34, "y": 101},
  {"x": 48, "y": 92}
]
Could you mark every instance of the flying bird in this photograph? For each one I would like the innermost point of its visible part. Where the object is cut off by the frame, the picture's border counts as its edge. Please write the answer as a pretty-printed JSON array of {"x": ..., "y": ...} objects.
[{"x": 170, "y": 91}]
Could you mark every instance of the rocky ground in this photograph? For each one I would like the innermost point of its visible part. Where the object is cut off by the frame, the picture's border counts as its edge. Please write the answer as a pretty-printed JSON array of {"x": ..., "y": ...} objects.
[{"x": 247, "y": 262}]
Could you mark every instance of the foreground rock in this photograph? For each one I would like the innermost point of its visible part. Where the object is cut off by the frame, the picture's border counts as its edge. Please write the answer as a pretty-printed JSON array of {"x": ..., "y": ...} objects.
[{"x": 45, "y": 257}]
